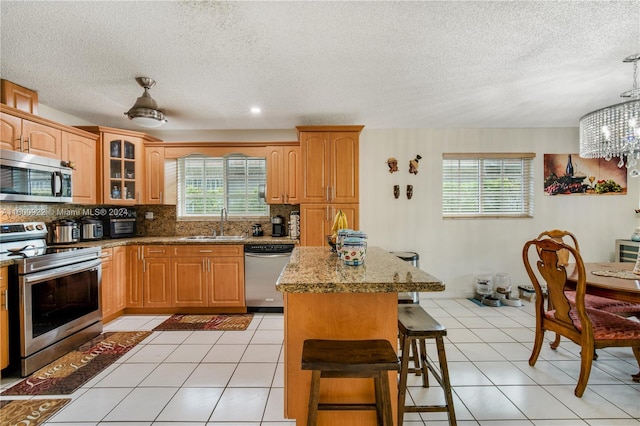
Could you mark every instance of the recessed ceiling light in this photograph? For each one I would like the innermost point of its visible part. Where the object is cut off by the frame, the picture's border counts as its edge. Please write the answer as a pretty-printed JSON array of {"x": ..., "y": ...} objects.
[{"x": 256, "y": 110}]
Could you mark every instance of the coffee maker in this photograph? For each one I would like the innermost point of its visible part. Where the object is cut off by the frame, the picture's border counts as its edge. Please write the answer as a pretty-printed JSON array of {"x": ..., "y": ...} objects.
[{"x": 278, "y": 226}]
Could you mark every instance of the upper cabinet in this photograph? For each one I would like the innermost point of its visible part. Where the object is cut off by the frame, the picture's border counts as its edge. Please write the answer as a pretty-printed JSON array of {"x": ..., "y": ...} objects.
[
  {"x": 283, "y": 174},
  {"x": 18, "y": 133},
  {"x": 24, "y": 132},
  {"x": 18, "y": 97},
  {"x": 154, "y": 175},
  {"x": 329, "y": 156},
  {"x": 82, "y": 152},
  {"x": 120, "y": 167}
]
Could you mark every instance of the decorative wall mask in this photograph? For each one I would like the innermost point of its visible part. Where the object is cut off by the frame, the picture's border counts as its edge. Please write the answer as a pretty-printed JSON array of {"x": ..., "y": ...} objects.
[
  {"x": 410, "y": 191},
  {"x": 413, "y": 165},
  {"x": 393, "y": 165},
  {"x": 396, "y": 191}
]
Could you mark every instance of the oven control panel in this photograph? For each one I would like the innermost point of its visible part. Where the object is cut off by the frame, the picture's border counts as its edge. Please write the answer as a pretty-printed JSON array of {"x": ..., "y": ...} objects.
[{"x": 22, "y": 231}]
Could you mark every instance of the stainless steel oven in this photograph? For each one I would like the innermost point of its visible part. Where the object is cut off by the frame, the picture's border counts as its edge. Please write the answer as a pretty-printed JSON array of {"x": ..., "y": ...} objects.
[{"x": 54, "y": 297}]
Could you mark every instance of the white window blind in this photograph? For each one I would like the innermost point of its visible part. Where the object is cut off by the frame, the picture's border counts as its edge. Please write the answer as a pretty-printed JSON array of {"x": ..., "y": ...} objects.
[
  {"x": 487, "y": 185},
  {"x": 207, "y": 184}
]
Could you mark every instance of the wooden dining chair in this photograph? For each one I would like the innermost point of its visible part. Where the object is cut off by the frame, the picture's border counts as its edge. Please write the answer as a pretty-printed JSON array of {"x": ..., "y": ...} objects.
[
  {"x": 590, "y": 328},
  {"x": 613, "y": 306}
]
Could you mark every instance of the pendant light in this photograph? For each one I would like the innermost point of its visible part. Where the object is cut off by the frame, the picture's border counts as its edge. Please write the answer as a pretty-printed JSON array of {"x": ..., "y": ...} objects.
[{"x": 145, "y": 112}]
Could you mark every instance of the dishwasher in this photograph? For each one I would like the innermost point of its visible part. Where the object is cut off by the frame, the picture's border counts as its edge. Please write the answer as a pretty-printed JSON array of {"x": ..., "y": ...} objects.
[{"x": 263, "y": 264}]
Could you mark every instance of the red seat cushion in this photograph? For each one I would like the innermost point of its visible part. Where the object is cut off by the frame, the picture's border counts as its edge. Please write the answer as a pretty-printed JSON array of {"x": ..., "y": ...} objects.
[
  {"x": 606, "y": 326},
  {"x": 604, "y": 303}
]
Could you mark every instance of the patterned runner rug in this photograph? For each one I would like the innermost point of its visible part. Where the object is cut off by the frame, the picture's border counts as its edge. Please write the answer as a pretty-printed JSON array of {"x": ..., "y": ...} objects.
[
  {"x": 66, "y": 374},
  {"x": 30, "y": 412},
  {"x": 222, "y": 322}
]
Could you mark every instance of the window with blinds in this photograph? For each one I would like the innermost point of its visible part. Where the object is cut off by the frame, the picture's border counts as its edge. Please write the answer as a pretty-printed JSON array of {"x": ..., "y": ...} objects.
[
  {"x": 207, "y": 184},
  {"x": 487, "y": 185}
]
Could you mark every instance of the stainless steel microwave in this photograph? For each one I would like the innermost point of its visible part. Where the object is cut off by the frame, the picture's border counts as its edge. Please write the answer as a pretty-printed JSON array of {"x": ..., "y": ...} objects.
[{"x": 28, "y": 177}]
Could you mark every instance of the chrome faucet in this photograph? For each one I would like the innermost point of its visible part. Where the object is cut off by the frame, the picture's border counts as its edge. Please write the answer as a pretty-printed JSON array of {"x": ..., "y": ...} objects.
[{"x": 223, "y": 216}]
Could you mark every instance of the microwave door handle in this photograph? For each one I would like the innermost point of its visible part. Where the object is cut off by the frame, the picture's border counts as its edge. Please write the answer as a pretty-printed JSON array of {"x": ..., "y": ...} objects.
[{"x": 56, "y": 186}]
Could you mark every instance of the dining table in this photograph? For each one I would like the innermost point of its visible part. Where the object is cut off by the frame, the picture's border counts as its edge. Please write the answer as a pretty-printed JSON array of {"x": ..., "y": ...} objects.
[{"x": 614, "y": 280}]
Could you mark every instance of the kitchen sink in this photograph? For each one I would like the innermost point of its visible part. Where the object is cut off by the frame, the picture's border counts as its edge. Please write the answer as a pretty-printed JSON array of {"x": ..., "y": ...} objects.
[{"x": 215, "y": 238}]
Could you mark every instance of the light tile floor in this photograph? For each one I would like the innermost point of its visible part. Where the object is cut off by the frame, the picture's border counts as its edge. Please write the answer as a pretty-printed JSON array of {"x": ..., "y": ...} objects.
[{"x": 236, "y": 378}]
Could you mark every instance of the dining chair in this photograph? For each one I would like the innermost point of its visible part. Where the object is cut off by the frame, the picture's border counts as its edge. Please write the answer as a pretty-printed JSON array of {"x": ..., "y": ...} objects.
[
  {"x": 613, "y": 306},
  {"x": 589, "y": 328}
]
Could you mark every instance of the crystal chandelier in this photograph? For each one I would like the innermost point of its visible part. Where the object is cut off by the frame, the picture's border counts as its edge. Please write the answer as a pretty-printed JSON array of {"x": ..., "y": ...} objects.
[{"x": 614, "y": 131}]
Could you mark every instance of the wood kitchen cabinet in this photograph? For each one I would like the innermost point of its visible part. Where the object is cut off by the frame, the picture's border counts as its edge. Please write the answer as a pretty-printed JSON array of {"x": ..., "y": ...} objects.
[
  {"x": 18, "y": 97},
  {"x": 330, "y": 158},
  {"x": 120, "y": 174},
  {"x": 4, "y": 318},
  {"x": 317, "y": 220},
  {"x": 134, "y": 277},
  {"x": 83, "y": 153},
  {"x": 283, "y": 174},
  {"x": 18, "y": 132},
  {"x": 156, "y": 277},
  {"x": 154, "y": 175},
  {"x": 226, "y": 282},
  {"x": 107, "y": 296},
  {"x": 185, "y": 276},
  {"x": 208, "y": 276},
  {"x": 113, "y": 286}
]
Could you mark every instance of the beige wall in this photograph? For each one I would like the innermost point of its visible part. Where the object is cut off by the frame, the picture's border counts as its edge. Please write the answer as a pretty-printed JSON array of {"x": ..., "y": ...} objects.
[{"x": 458, "y": 250}]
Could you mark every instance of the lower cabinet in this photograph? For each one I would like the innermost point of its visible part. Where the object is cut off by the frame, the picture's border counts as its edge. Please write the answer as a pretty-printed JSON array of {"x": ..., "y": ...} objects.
[
  {"x": 156, "y": 277},
  {"x": 114, "y": 282},
  {"x": 187, "y": 276},
  {"x": 318, "y": 221},
  {"x": 4, "y": 318},
  {"x": 208, "y": 276}
]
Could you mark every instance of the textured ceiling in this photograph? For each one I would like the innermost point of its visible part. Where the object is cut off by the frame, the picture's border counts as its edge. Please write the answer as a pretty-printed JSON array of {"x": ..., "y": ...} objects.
[{"x": 383, "y": 64}]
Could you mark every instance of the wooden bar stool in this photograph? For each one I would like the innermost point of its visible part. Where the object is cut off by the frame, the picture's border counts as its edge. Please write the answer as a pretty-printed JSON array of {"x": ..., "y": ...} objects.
[
  {"x": 350, "y": 359},
  {"x": 414, "y": 324}
]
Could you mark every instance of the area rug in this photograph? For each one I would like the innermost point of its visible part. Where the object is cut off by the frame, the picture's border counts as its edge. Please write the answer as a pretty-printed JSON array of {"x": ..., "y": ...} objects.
[
  {"x": 31, "y": 412},
  {"x": 221, "y": 322},
  {"x": 66, "y": 374}
]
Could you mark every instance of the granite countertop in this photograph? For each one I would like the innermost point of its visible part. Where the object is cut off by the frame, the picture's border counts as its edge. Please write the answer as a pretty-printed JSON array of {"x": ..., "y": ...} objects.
[
  {"x": 318, "y": 270},
  {"x": 110, "y": 243}
]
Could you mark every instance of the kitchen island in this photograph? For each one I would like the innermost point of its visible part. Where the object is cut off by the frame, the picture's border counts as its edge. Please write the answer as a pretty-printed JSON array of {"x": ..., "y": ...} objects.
[{"x": 325, "y": 299}]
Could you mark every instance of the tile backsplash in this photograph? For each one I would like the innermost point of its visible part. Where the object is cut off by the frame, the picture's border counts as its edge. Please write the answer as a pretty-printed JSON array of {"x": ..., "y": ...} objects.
[{"x": 163, "y": 224}]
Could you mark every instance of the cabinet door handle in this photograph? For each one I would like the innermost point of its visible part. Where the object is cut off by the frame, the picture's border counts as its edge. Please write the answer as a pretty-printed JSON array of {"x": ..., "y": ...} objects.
[
  {"x": 208, "y": 265},
  {"x": 326, "y": 193},
  {"x": 144, "y": 266},
  {"x": 138, "y": 197},
  {"x": 27, "y": 143},
  {"x": 161, "y": 197},
  {"x": 203, "y": 267},
  {"x": 5, "y": 301},
  {"x": 333, "y": 193},
  {"x": 20, "y": 139},
  {"x": 206, "y": 251}
]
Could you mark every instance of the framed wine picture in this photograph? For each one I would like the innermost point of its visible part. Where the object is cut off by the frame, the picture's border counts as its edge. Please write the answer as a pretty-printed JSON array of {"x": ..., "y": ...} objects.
[{"x": 569, "y": 174}]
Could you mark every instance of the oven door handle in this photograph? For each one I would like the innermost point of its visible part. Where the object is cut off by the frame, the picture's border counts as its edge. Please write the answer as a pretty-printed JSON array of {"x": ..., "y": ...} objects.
[
  {"x": 60, "y": 272},
  {"x": 267, "y": 255}
]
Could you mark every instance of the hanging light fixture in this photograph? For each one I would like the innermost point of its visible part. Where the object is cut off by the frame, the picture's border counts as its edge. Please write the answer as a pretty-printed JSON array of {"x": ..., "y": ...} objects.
[
  {"x": 145, "y": 112},
  {"x": 614, "y": 131}
]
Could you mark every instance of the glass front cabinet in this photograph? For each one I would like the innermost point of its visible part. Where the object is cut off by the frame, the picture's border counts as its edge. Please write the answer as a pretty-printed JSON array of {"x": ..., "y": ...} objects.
[{"x": 122, "y": 169}]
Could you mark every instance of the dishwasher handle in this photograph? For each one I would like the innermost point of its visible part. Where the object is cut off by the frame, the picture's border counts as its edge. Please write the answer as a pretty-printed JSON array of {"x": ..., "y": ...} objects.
[{"x": 267, "y": 255}]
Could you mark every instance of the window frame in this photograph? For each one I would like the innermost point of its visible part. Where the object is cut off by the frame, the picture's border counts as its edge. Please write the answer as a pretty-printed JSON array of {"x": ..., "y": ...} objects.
[
  {"x": 181, "y": 204},
  {"x": 486, "y": 209}
]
